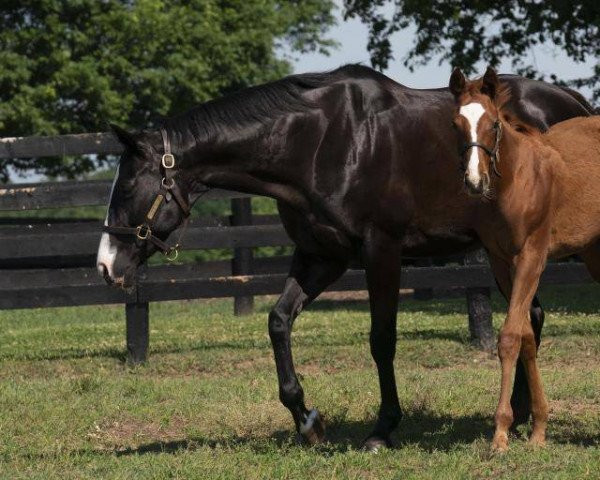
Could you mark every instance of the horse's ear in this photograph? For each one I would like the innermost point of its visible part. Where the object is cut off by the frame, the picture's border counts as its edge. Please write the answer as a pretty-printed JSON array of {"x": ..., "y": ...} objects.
[
  {"x": 125, "y": 138},
  {"x": 457, "y": 82},
  {"x": 490, "y": 83}
]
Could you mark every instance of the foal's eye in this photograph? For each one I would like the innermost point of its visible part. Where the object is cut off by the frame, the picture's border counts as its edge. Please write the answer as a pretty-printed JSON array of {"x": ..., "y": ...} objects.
[{"x": 453, "y": 125}]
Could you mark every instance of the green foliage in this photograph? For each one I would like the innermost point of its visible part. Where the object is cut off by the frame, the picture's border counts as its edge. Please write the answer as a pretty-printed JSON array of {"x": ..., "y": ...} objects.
[
  {"x": 73, "y": 66},
  {"x": 463, "y": 32}
]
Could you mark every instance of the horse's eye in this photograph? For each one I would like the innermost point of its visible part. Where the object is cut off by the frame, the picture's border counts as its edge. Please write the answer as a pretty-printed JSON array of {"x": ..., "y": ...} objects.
[{"x": 453, "y": 125}]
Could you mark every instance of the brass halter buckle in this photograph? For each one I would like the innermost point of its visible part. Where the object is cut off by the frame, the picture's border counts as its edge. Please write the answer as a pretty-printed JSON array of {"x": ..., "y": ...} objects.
[
  {"x": 143, "y": 232},
  {"x": 168, "y": 160}
]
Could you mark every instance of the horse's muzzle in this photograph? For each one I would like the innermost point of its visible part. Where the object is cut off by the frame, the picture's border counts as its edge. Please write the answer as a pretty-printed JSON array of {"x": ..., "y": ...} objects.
[{"x": 479, "y": 187}]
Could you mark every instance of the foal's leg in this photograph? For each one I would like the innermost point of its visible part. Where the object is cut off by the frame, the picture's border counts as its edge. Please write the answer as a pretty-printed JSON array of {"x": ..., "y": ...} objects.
[
  {"x": 382, "y": 265},
  {"x": 308, "y": 277},
  {"x": 520, "y": 400},
  {"x": 539, "y": 404},
  {"x": 515, "y": 333}
]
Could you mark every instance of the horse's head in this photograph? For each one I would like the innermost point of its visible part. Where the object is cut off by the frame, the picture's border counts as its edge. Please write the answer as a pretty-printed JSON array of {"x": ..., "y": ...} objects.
[
  {"x": 148, "y": 201},
  {"x": 478, "y": 125}
]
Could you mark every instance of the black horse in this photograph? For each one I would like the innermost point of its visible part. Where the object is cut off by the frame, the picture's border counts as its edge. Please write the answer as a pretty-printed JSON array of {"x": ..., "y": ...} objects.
[{"x": 361, "y": 167}]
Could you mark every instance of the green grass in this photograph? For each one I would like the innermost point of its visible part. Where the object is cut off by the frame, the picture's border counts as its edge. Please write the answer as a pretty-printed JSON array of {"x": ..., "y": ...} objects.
[{"x": 206, "y": 404}]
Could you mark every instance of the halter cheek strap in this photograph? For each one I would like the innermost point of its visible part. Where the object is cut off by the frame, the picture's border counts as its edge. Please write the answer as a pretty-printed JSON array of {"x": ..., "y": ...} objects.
[
  {"x": 493, "y": 152},
  {"x": 168, "y": 190}
]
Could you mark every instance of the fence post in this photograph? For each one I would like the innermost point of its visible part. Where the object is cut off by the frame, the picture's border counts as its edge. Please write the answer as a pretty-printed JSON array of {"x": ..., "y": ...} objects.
[
  {"x": 137, "y": 323},
  {"x": 480, "y": 308},
  {"x": 241, "y": 209}
]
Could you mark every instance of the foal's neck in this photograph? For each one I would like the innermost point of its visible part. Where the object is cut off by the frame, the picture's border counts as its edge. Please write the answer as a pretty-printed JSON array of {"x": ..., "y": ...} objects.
[{"x": 517, "y": 153}]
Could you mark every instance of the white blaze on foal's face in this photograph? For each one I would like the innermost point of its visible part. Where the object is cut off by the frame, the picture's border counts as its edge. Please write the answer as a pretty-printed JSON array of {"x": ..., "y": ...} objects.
[
  {"x": 473, "y": 113},
  {"x": 107, "y": 252}
]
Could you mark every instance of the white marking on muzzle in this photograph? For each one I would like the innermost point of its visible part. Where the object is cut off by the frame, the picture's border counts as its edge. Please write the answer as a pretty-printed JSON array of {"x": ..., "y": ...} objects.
[
  {"x": 473, "y": 112},
  {"x": 107, "y": 252}
]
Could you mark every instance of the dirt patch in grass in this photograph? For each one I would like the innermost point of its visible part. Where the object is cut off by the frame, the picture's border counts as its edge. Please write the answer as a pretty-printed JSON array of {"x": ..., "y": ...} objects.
[
  {"x": 575, "y": 408},
  {"x": 127, "y": 432}
]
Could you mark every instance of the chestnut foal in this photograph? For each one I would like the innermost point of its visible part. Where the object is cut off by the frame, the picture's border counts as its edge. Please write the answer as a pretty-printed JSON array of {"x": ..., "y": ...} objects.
[{"x": 540, "y": 200}]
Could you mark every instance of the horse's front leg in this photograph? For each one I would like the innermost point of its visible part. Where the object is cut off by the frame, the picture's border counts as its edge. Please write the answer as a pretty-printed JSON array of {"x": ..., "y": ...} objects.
[
  {"x": 517, "y": 337},
  {"x": 308, "y": 277},
  {"x": 382, "y": 256}
]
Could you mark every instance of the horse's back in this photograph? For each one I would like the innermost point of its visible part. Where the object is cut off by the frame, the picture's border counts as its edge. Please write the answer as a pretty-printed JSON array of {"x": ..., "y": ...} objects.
[{"x": 578, "y": 136}]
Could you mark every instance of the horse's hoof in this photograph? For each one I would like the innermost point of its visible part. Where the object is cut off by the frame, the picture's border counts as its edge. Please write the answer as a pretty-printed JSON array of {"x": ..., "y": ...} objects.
[
  {"x": 537, "y": 440},
  {"x": 500, "y": 443},
  {"x": 374, "y": 444},
  {"x": 312, "y": 430}
]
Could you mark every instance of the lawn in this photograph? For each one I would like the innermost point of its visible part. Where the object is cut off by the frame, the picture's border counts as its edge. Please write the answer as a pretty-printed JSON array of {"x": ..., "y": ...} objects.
[{"x": 206, "y": 406}]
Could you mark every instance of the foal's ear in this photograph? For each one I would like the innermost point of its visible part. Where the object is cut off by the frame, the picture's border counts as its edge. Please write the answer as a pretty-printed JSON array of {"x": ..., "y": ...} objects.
[
  {"x": 490, "y": 83},
  {"x": 457, "y": 82},
  {"x": 126, "y": 139}
]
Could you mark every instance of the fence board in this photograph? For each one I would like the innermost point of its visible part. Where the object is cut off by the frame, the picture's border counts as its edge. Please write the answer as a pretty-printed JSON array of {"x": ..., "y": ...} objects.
[
  {"x": 38, "y": 196},
  {"x": 64, "y": 244},
  {"x": 168, "y": 283},
  {"x": 60, "y": 145}
]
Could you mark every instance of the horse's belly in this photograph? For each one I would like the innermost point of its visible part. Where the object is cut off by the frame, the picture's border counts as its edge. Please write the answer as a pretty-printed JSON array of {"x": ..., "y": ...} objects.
[
  {"x": 422, "y": 243},
  {"x": 314, "y": 237}
]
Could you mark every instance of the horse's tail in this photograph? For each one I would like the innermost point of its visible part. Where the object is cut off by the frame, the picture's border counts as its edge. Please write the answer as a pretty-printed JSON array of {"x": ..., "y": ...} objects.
[{"x": 581, "y": 100}]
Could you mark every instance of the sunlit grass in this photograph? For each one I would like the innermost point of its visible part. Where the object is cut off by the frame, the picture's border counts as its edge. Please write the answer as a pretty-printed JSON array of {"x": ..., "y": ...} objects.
[{"x": 206, "y": 404}]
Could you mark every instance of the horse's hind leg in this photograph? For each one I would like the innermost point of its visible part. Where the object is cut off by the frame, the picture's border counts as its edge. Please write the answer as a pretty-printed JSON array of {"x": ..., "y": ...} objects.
[
  {"x": 382, "y": 266},
  {"x": 308, "y": 277}
]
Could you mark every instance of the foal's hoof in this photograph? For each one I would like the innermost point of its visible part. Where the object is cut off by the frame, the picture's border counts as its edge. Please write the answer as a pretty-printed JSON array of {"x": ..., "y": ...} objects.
[
  {"x": 312, "y": 430},
  {"x": 500, "y": 443},
  {"x": 374, "y": 444},
  {"x": 537, "y": 440}
]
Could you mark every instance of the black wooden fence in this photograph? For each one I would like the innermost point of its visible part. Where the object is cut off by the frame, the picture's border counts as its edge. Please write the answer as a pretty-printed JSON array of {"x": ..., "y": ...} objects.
[{"x": 50, "y": 263}]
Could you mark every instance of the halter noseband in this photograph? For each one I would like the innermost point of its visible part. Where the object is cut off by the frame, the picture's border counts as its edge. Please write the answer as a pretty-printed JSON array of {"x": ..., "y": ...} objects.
[
  {"x": 168, "y": 190},
  {"x": 493, "y": 153}
]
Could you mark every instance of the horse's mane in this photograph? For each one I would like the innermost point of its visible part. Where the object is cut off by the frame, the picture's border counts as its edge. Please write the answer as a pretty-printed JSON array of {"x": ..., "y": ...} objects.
[{"x": 258, "y": 104}]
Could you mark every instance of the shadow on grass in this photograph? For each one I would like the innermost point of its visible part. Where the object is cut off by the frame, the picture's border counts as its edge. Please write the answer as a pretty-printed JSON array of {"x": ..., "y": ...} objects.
[
  {"x": 582, "y": 328},
  {"x": 427, "y": 431},
  {"x": 314, "y": 339}
]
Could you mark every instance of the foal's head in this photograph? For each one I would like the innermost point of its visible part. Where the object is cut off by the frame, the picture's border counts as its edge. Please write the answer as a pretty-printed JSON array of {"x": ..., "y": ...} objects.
[
  {"x": 138, "y": 220},
  {"x": 478, "y": 125}
]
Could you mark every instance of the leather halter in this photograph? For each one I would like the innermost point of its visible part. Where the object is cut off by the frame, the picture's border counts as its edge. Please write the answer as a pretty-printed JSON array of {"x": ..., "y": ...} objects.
[
  {"x": 168, "y": 190},
  {"x": 493, "y": 152}
]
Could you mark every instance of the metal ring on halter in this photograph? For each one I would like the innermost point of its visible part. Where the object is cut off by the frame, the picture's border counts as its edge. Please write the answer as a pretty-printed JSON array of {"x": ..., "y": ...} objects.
[
  {"x": 168, "y": 160},
  {"x": 170, "y": 186},
  {"x": 146, "y": 232},
  {"x": 174, "y": 257}
]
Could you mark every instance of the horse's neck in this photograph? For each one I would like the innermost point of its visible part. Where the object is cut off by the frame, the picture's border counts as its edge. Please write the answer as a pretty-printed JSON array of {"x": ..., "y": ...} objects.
[{"x": 250, "y": 162}]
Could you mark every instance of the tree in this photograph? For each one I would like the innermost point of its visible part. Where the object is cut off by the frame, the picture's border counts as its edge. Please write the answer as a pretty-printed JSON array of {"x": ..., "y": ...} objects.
[
  {"x": 463, "y": 32},
  {"x": 69, "y": 66}
]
